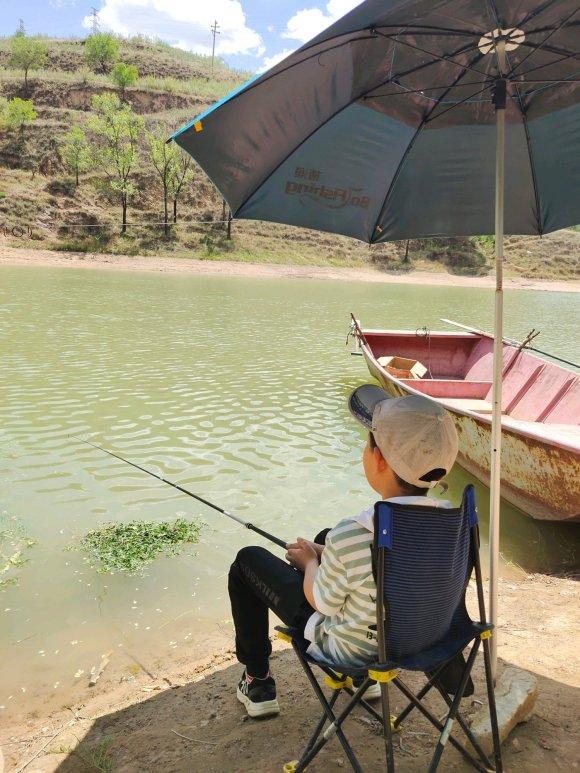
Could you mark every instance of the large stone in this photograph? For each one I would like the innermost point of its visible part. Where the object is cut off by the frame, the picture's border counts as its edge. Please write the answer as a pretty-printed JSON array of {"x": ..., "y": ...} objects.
[{"x": 516, "y": 692}]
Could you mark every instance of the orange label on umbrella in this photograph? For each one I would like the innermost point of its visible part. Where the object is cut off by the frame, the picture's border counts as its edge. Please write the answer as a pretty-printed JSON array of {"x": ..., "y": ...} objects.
[{"x": 198, "y": 126}]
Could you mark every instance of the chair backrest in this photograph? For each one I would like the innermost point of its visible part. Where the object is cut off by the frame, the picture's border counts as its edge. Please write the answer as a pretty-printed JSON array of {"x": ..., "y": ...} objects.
[{"x": 428, "y": 556}]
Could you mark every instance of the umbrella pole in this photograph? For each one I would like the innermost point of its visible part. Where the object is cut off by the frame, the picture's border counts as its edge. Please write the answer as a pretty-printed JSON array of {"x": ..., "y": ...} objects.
[{"x": 495, "y": 462}]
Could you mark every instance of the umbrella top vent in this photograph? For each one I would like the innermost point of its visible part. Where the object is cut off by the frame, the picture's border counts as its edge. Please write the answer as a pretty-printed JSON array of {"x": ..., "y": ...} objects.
[{"x": 512, "y": 38}]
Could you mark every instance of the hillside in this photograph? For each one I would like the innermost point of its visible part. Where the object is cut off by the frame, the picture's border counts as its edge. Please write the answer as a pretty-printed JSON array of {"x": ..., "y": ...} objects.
[{"x": 40, "y": 206}]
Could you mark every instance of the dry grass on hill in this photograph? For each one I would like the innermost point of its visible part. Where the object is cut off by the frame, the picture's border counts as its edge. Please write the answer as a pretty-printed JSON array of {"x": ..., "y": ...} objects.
[{"x": 40, "y": 206}]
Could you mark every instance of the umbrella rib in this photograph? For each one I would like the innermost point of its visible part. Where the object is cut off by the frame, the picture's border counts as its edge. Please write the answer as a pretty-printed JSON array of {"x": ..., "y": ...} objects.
[
  {"x": 548, "y": 82},
  {"x": 337, "y": 112},
  {"x": 405, "y": 92},
  {"x": 562, "y": 23},
  {"x": 431, "y": 53},
  {"x": 396, "y": 177},
  {"x": 536, "y": 12},
  {"x": 551, "y": 49},
  {"x": 521, "y": 106},
  {"x": 541, "y": 66},
  {"x": 457, "y": 104},
  {"x": 434, "y": 30}
]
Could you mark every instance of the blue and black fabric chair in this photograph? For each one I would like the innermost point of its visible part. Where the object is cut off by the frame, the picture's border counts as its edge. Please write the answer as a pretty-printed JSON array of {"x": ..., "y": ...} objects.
[{"x": 423, "y": 558}]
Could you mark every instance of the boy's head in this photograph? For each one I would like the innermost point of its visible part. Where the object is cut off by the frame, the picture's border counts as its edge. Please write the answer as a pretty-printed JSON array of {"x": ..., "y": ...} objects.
[{"x": 412, "y": 442}]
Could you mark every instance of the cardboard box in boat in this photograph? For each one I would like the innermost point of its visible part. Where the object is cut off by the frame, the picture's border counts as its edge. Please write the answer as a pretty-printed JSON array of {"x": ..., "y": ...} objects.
[{"x": 402, "y": 367}]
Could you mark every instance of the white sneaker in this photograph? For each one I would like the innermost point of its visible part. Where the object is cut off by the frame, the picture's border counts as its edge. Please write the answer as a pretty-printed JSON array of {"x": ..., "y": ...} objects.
[{"x": 373, "y": 691}]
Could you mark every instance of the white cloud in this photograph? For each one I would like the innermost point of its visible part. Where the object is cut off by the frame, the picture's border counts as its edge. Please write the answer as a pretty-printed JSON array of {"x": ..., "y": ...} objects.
[
  {"x": 270, "y": 61},
  {"x": 308, "y": 22},
  {"x": 183, "y": 23}
]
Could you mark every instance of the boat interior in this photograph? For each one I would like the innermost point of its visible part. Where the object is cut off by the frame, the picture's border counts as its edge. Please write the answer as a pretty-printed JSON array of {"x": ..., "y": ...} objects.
[{"x": 457, "y": 369}]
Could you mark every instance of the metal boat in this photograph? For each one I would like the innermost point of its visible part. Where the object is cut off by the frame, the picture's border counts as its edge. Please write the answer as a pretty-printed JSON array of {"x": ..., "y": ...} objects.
[{"x": 540, "y": 409}]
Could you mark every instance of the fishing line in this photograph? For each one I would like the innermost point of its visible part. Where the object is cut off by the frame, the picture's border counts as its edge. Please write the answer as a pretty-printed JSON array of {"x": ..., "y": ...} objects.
[{"x": 247, "y": 524}]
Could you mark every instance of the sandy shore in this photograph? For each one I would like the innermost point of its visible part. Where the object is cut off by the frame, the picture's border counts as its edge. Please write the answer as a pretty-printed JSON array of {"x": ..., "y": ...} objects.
[
  {"x": 13, "y": 256},
  {"x": 182, "y": 715}
]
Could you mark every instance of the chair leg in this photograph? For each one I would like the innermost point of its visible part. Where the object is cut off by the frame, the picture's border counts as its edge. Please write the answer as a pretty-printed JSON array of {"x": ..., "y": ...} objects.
[
  {"x": 366, "y": 706},
  {"x": 334, "y": 728},
  {"x": 440, "y": 748},
  {"x": 438, "y": 725},
  {"x": 335, "y": 723},
  {"x": 465, "y": 727},
  {"x": 321, "y": 723},
  {"x": 420, "y": 695},
  {"x": 492, "y": 708},
  {"x": 387, "y": 731}
]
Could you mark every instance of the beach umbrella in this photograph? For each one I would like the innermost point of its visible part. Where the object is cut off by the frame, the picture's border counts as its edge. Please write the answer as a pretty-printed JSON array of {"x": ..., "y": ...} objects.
[{"x": 410, "y": 119}]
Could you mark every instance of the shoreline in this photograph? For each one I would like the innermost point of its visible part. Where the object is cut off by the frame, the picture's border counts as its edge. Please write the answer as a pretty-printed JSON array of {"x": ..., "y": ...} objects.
[
  {"x": 171, "y": 711},
  {"x": 18, "y": 256}
]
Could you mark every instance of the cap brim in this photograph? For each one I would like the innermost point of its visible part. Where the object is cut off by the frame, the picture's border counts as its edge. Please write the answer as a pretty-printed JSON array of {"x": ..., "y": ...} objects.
[{"x": 363, "y": 401}]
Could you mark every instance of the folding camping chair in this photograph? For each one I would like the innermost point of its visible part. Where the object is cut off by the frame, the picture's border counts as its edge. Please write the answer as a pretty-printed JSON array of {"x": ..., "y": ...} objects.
[{"x": 423, "y": 558}]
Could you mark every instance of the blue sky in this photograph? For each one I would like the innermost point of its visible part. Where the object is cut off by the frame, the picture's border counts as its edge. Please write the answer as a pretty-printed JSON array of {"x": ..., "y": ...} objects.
[{"x": 254, "y": 34}]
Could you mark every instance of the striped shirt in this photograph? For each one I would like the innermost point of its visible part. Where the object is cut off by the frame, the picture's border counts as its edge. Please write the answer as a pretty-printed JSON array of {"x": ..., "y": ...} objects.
[{"x": 343, "y": 629}]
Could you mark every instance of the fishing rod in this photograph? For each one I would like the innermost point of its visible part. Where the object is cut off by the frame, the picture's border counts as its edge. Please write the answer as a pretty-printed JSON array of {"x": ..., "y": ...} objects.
[
  {"x": 522, "y": 345},
  {"x": 183, "y": 490}
]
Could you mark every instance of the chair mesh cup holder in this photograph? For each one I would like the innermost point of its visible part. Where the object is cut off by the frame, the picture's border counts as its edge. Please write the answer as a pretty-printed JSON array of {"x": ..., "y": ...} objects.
[{"x": 423, "y": 558}]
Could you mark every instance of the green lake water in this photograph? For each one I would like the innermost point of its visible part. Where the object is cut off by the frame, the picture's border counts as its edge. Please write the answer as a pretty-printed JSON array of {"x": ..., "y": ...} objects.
[{"x": 234, "y": 387}]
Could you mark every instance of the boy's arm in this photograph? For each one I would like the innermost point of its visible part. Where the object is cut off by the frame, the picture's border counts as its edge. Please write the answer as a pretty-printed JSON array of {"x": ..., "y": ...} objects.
[
  {"x": 303, "y": 555},
  {"x": 326, "y": 586},
  {"x": 310, "y": 571}
]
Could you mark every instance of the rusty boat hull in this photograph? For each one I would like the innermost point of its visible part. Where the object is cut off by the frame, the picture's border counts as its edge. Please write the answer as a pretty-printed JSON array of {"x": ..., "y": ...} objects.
[{"x": 540, "y": 458}]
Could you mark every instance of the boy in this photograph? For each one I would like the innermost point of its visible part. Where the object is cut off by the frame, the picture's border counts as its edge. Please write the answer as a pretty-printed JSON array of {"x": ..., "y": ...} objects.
[{"x": 412, "y": 445}]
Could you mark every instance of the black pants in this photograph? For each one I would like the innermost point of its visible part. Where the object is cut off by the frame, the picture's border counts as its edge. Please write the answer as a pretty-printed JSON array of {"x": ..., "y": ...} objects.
[{"x": 259, "y": 581}]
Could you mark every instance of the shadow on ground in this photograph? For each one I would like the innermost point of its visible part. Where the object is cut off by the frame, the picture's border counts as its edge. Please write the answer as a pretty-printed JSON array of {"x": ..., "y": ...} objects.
[{"x": 147, "y": 736}]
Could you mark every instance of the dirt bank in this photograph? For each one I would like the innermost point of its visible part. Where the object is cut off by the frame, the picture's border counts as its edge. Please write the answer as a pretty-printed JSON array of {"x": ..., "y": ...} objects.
[
  {"x": 12, "y": 256},
  {"x": 183, "y": 716}
]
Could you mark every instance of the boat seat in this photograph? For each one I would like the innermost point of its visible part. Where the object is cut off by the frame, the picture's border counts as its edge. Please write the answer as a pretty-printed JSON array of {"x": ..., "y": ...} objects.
[
  {"x": 467, "y": 404},
  {"x": 450, "y": 388},
  {"x": 566, "y": 433}
]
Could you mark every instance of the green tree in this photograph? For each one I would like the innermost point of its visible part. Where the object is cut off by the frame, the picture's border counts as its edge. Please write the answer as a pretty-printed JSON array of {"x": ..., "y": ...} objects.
[
  {"x": 116, "y": 131},
  {"x": 27, "y": 54},
  {"x": 76, "y": 151},
  {"x": 17, "y": 113},
  {"x": 164, "y": 160},
  {"x": 180, "y": 174},
  {"x": 124, "y": 75},
  {"x": 101, "y": 51}
]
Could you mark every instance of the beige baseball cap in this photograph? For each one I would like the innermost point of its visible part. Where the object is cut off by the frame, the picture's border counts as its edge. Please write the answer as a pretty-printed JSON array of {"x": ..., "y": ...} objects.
[{"x": 416, "y": 436}]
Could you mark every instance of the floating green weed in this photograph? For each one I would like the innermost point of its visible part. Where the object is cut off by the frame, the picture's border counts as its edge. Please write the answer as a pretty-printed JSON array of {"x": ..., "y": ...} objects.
[
  {"x": 13, "y": 546},
  {"x": 128, "y": 547}
]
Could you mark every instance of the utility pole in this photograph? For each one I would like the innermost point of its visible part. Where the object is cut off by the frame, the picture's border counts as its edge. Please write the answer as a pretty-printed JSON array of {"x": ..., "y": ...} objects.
[
  {"x": 214, "y": 32},
  {"x": 95, "y": 22},
  {"x": 21, "y": 30}
]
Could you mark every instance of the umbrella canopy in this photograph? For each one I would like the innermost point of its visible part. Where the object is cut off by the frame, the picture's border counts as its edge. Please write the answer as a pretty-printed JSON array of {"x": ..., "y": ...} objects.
[{"x": 383, "y": 126}]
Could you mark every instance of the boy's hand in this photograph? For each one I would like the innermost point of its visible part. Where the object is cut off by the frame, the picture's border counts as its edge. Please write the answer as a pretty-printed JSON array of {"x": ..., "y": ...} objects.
[
  {"x": 302, "y": 552},
  {"x": 317, "y": 547}
]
